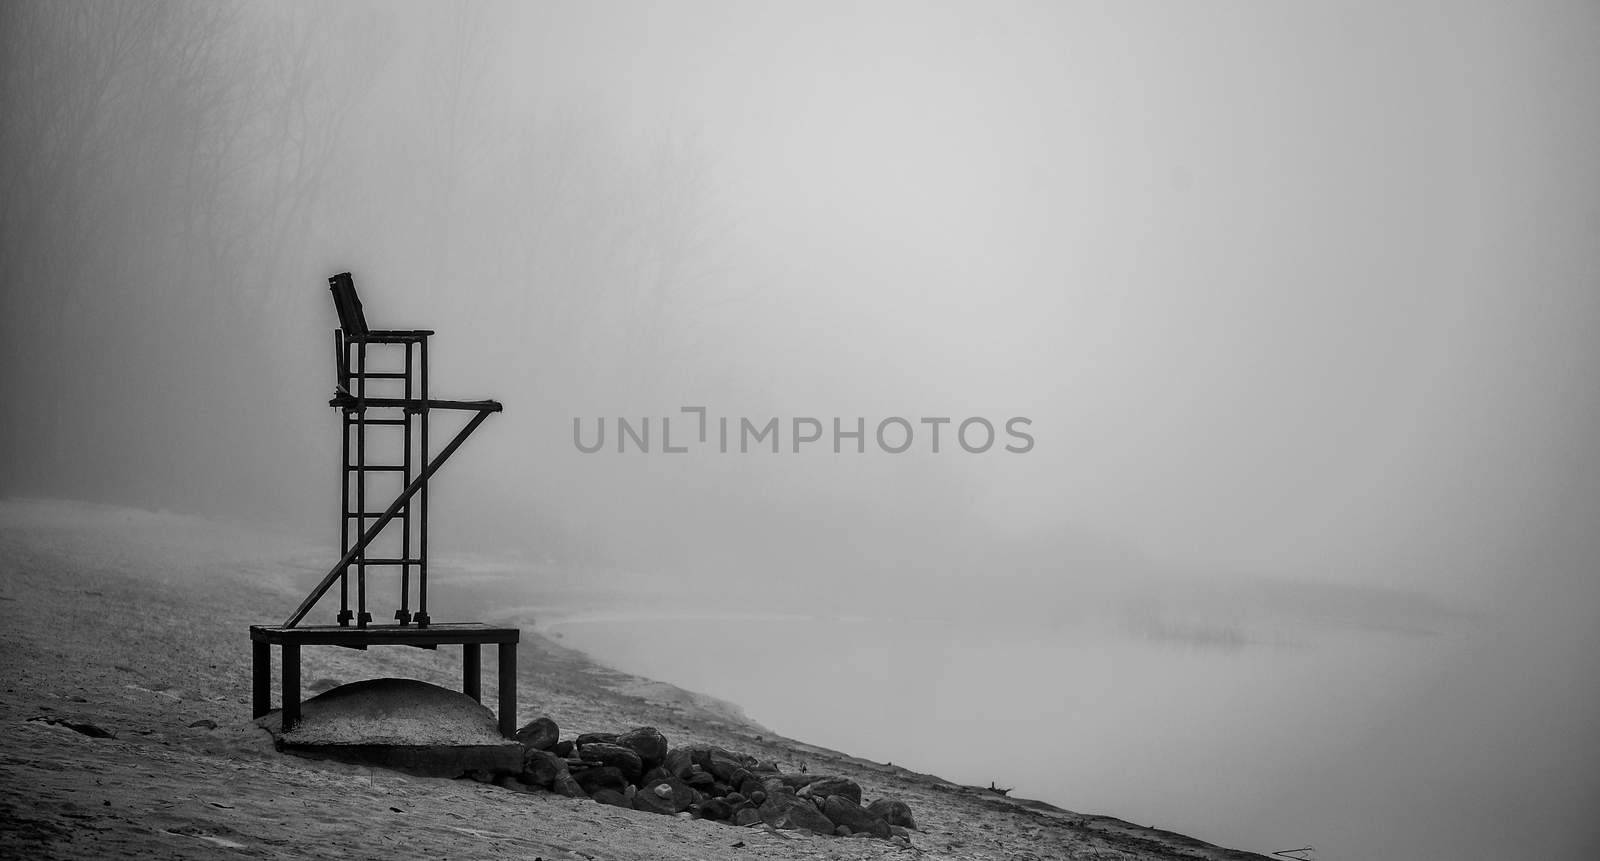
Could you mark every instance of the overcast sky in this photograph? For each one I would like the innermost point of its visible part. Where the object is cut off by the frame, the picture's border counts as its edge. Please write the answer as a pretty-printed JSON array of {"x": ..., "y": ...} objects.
[{"x": 1301, "y": 288}]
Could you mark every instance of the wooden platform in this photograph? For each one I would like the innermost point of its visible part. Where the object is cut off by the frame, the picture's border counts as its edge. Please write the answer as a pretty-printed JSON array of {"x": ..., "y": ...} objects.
[{"x": 469, "y": 635}]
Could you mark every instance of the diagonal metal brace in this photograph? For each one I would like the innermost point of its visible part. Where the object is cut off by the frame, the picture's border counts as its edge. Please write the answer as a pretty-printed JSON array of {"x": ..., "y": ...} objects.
[{"x": 383, "y": 519}]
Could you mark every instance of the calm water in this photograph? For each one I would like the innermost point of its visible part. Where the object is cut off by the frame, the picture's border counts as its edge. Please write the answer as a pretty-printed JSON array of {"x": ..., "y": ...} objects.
[
  {"x": 1212, "y": 740},
  {"x": 1361, "y": 744}
]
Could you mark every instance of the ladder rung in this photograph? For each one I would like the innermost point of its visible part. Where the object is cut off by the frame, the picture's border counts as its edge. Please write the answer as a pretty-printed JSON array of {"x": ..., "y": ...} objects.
[
  {"x": 349, "y": 467},
  {"x": 372, "y": 515},
  {"x": 376, "y": 421},
  {"x": 388, "y": 561},
  {"x": 378, "y": 375}
]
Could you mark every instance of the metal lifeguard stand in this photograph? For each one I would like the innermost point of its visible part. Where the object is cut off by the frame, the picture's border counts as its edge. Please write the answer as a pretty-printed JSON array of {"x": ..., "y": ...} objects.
[{"x": 406, "y": 410}]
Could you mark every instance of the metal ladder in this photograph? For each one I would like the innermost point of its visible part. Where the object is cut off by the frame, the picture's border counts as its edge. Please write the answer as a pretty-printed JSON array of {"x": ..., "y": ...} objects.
[{"x": 354, "y": 375}]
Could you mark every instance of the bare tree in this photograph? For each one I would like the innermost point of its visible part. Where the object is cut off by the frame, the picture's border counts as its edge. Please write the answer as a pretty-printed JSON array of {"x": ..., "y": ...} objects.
[{"x": 161, "y": 161}]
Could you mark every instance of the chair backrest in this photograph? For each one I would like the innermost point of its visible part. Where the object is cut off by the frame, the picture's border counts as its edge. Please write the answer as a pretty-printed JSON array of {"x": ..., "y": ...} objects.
[{"x": 348, "y": 304}]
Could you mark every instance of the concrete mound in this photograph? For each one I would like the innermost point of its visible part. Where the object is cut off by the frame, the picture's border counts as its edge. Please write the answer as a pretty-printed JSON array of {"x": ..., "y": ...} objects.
[{"x": 403, "y": 724}]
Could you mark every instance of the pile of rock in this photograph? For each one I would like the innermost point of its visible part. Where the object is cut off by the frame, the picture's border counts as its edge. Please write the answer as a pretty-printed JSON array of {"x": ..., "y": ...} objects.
[{"x": 637, "y": 769}]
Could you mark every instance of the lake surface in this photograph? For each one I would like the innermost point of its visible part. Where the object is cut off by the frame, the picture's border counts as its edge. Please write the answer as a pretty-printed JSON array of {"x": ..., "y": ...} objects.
[
  {"x": 1217, "y": 741},
  {"x": 1362, "y": 744}
]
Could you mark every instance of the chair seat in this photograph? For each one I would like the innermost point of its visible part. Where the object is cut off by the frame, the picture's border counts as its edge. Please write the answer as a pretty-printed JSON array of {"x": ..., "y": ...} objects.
[{"x": 389, "y": 336}]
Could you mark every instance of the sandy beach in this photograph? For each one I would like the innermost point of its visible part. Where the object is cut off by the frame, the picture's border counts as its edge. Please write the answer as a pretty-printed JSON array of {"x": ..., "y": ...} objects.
[{"x": 134, "y": 624}]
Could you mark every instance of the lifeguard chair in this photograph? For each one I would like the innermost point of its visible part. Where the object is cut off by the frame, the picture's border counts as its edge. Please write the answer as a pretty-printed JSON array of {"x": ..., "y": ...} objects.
[{"x": 398, "y": 402}]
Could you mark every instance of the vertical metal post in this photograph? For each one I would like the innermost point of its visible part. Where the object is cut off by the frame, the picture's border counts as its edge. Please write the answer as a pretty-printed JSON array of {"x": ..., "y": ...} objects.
[
  {"x": 404, "y": 613},
  {"x": 362, "y": 616},
  {"x": 342, "y": 355},
  {"x": 422, "y": 500},
  {"x": 260, "y": 678},
  {"x": 291, "y": 686},
  {"x": 472, "y": 670},
  {"x": 508, "y": 690}
]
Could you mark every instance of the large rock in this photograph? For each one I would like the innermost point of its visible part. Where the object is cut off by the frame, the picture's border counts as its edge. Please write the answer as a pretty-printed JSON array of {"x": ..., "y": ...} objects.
[
  {"x": 843, "y": 811},
  {"x": 787, "y": 810},
  {"x": 720, "y": 763},
  {"x": 541, "y": 733},
  {"x": 822, "y": 787},
  {"x": 648, "y": 743},
  {"x": 667, "y": 796},
  {"x": 614, "y": 755},
  {"x": 592, "y": 737},
  {"x": 724, "y": 764},
  {"x": 601, "y": 777},
  {"x": 746, "y": 816},
  {"x": 679, "y": 761},
  {"x": 893, "y": 811},
  {"x": 542, "y": 768},
  {"x": 566, "y": 784},
  {"x": 714, "y": 808},
  {"x": 611, "y": 797}
]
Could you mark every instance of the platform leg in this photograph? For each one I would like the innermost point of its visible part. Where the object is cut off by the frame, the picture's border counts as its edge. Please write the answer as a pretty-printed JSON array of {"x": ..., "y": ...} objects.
[
  {"x": 508, "y": 689},
  {"x": 472, "y": 670},
  {"x": 260, "y": 678},
  {"x": 291, "y": 686}
]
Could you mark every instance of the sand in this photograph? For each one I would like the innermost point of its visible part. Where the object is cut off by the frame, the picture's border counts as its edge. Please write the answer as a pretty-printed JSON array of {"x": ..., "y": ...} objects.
[{"x": 136, "y": 623}]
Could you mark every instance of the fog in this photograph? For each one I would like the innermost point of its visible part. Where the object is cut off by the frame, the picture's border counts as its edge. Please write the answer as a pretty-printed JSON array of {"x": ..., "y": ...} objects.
[{"x": 1301, "y": 303}]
